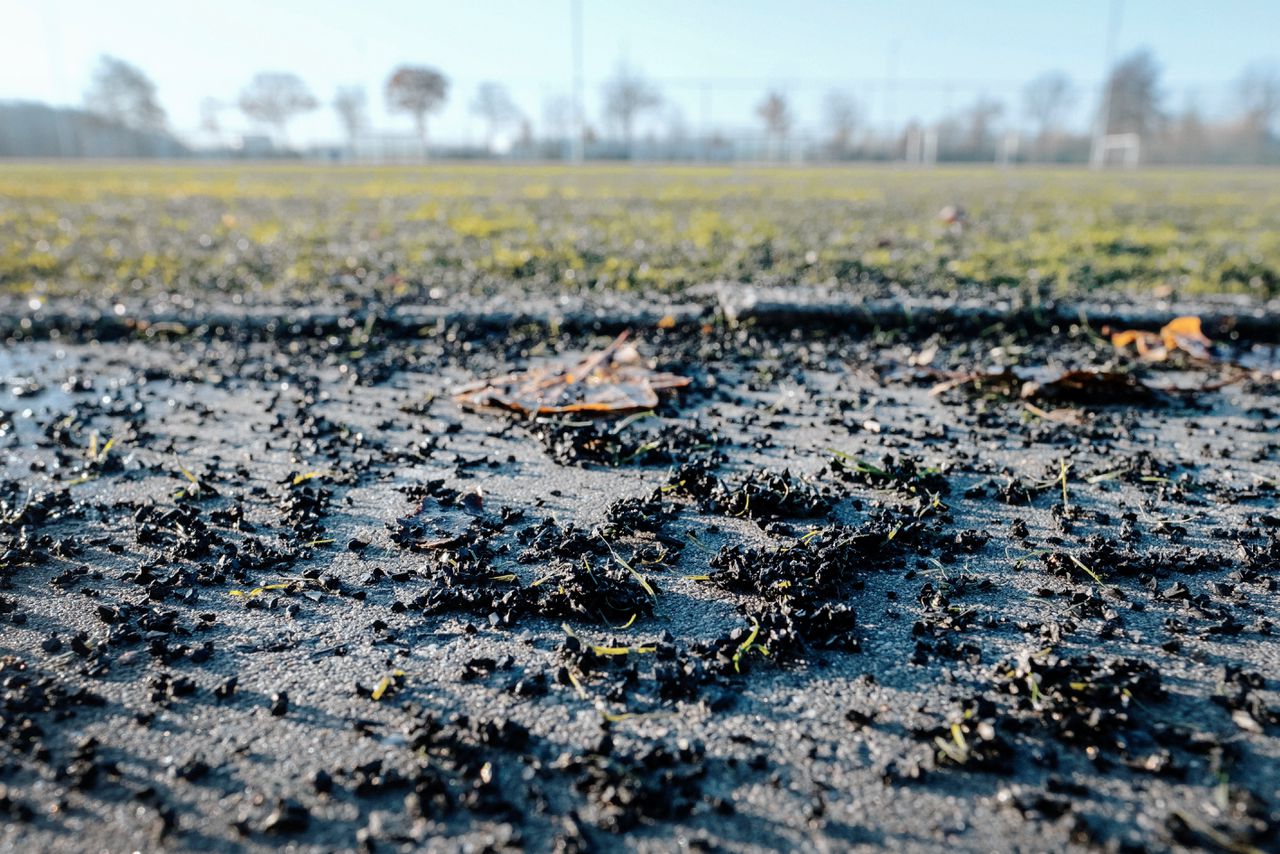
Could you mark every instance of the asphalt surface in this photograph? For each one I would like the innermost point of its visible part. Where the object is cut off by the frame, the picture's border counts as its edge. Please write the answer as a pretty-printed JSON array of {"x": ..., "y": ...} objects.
[{"x": 824, "y": 749}]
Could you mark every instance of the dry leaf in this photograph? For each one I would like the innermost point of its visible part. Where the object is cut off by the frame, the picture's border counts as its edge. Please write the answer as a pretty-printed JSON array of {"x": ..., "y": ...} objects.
[
  {"x": 1005, "y": 382},
  {"x": 1089, "y": 386},
  {"x": 612, "y": 381},
  {"x": 1185, "y": 334},
  {"x": 1062, "y": 414},
  {"x": 1181, "y": 333},
  {"x": 1077, "y": 386}
]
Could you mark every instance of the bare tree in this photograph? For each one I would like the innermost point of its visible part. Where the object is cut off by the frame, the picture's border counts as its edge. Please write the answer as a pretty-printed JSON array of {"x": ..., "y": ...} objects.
[
  {"x": 209, "y": 121},
  {"x": 1259, "y": 92},
  {"x": 274, "y": 97},
  {"x": 349, "y": 103},
  {"x": 969, "y": 133},
  {"x": 1046, "y": 100},
  {"x": 557, "y": 117},
  {"x": 775, "y": 112},
  {"x": 493, "y": 104},
  {"x": 980, "y": 121},
  {"x": 121, "y": 93},
  {"x": 524, "y": 138},
  {"x": 842, "y": 116},
  {"x": 417, "y": 90},
  {"x": 676, "y": 126},
  {"x": 1133, "y": 95},
  {"x": 626, "y": 96},
  {"x": 1189, "y": 134}
]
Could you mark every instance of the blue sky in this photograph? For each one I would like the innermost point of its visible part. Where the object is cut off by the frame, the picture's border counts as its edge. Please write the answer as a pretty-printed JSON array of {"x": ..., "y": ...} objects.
[{"x": 713, "y": 59}]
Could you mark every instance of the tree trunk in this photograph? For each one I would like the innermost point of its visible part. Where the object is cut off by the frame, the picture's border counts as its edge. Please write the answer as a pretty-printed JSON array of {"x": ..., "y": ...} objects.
[{"x": 421, "y": 121}]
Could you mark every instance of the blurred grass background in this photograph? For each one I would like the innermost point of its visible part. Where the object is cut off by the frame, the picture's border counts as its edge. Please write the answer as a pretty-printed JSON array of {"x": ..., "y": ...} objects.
[{"x": 301, "y": 232}]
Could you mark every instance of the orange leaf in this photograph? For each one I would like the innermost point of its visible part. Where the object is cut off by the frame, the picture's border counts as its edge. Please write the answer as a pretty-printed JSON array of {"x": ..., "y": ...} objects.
[
  {"x": 1182, "y": 330},
  {"x": 1181, "y": 333},
  {"x": 1120, "y": 340}
]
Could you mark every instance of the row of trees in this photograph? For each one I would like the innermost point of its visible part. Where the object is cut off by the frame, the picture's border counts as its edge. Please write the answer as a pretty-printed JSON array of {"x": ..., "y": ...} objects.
[
  {"x": 122, "y": 94},
  {"x": 275, "y": 98},
  {"x": 1133, "y": 101}
]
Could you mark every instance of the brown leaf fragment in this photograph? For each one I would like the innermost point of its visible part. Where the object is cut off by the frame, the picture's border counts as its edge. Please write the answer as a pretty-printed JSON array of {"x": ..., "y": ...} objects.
[
  {"x": 1061, "y": 415},
  {"x": 610, "y": 381},
  {"x": 1005, "y": 383},
  {"x": 1085, "y": 385},
  {"x": 1089, "y": 386}
]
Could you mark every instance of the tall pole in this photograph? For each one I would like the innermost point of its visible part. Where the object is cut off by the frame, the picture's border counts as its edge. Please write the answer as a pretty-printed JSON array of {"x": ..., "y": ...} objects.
[
  {"x": 1102, "y": 124},
  {"x": 890, "y": 94},
  {"x": 53, "y": 52},
  {"x": 705, "y": 119},
  {"x": 576, "y": 143}
]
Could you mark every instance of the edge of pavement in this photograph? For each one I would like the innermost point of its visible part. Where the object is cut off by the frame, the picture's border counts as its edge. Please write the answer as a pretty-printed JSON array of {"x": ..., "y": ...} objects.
[{"x": 732, "y": 304}]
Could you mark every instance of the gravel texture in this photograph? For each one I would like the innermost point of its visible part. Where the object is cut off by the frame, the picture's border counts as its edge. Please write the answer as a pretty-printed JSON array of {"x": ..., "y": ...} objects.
[{"x": 304, "y": 598}]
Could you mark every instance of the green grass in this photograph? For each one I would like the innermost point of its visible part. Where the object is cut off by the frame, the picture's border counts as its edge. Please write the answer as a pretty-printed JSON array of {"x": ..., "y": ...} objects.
[{"x": 298, "y": 231}]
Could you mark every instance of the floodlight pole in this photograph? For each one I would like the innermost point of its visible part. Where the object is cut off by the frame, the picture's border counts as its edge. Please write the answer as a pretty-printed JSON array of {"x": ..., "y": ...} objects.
[
  {"x": 53, "y": 53},
  {"x": 576, "y": 143},
  {"x": 1102, "y": 124},
  {"x": 890, "y": 92},
  {"x": 705, "y": 119}
]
